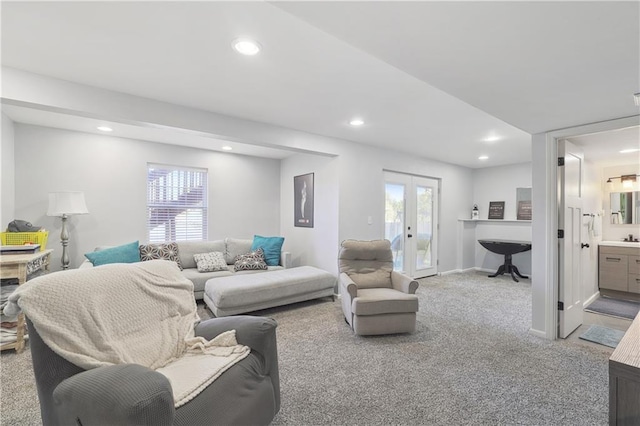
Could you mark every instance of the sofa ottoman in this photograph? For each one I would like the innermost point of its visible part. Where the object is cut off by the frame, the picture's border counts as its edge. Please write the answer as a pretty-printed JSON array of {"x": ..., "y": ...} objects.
[{"x": 246, "y": 293}]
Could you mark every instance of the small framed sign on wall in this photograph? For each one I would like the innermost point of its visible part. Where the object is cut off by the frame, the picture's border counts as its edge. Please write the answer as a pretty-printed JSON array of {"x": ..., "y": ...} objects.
[
  {"x": 496, "y": 209},
  {"x": 523, "y": 200},
  {"x": 303, "y": 200}
]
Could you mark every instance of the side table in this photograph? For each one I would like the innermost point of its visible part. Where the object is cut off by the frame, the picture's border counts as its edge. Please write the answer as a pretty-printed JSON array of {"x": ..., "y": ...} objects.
[
  {"x": 507, "y": 248},
  {"x": 22, "y": 266}
]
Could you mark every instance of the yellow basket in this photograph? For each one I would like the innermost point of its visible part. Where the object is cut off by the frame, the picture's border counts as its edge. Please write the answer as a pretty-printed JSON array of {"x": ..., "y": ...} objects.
[{"x": 22, "y": 238}]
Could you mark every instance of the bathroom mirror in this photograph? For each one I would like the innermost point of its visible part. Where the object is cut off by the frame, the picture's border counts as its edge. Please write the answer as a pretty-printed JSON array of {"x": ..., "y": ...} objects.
[{"x": 625, "y": 207}]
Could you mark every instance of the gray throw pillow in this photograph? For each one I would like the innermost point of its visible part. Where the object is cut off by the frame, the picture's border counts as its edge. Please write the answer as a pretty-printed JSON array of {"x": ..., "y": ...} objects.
[
  {"x": 168, "y": 251},
  {"x": 210, "y": 262},
  {"x": 252, "y": 261}
]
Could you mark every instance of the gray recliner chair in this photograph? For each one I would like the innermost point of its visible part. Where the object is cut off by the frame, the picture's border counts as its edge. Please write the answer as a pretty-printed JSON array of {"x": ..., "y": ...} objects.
[
  {"x": 375, "y": 298},
  {"x": 128, "y": 394}
]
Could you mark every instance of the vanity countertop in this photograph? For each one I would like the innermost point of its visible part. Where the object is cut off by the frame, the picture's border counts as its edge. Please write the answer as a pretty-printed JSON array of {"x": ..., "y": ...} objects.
[{"x": 620, "y": 243}]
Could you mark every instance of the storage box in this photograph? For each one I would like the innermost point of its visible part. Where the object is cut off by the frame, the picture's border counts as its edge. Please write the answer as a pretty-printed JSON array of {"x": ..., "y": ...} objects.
[{"x": 22, "y": 238}]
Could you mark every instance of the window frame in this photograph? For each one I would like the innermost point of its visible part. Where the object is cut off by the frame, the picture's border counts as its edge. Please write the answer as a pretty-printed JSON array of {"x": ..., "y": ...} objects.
[{"x": 179, "y": 182}]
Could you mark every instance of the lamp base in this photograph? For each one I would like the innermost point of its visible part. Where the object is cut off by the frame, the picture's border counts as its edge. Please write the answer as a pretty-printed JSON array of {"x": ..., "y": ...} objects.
[{"x": 64, "y": 240}]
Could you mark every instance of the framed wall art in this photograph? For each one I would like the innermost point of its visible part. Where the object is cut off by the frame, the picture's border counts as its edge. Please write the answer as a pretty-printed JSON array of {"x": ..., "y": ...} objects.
[
  {"x": 303, "y": 200},
  {"x": 496, "y": 210}
]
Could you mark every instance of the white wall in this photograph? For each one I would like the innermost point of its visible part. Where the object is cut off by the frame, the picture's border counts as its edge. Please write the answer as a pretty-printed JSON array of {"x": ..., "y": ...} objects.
[
  {"x": 497, "y": 184},
  {"x": 591, "y": 204},
  {"x": 360, "y": 168},
  {"x": 315, "y": 246},
  {"x": 7, "y": 173},
  {"x": 244, "y": 192},
  {"x": 361, "y": 177},
  {"x": 350, "y": 189},
  {"x": 611, "y": 232}
]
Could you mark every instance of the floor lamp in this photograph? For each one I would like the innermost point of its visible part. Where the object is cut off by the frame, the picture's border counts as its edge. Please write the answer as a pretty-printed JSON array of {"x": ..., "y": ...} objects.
[{"x": 65, "y": 204}]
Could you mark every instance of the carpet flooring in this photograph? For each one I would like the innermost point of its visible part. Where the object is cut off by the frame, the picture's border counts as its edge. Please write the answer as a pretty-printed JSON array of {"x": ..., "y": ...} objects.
[
  {"x": 614, "y": 307},
  {"x": 603, "y": 335},
  {"x": 471, "y": 361}
]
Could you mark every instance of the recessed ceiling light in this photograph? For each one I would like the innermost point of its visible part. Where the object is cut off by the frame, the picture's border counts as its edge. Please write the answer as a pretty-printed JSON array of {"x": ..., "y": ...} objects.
[
  {"x": 246, "y": 46},
  {"x": 492, "y": 138},
  {"x": 356, "y": 122},
  {"x": 483, "y": 157},
  {"x": 105, "y": 129},
  {"x": 227, "y": 148},
  {"x": 626, "y": 151}
]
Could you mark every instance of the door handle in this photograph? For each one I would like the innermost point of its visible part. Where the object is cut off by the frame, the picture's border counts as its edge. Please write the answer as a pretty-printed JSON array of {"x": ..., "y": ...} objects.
[
  {"x": 584, "y": 245},
  {"x": 409, "y": 235}
]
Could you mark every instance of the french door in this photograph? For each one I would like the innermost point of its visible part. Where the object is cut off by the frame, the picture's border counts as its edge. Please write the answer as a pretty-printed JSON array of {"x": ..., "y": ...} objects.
[{"x": 411, "y": 223}]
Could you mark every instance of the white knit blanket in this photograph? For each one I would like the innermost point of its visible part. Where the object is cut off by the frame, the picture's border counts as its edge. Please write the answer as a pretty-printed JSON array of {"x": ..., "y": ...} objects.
[{"x": 140, "y": 313}]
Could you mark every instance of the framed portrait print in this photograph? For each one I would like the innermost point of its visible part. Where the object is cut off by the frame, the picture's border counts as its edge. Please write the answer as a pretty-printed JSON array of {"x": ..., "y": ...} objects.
[{"x": 303, "y": 200}]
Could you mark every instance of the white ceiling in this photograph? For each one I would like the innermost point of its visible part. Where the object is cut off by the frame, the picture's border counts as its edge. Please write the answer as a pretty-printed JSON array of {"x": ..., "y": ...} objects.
[
  {"x": 163, "y": 134},
  {"x": 604, "y": 148},
  {"x": 535, "y": 66}
]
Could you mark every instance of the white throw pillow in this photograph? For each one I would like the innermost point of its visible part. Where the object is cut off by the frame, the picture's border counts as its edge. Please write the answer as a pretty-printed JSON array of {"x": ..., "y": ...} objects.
[{"x": 210, "y": 262}]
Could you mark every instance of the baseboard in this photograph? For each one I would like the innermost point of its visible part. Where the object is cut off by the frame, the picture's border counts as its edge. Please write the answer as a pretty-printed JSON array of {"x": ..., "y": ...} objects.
[
  {"x": 456, "y": 271},
  {"x": 492, "y": 271},
  {"x": 538, "y": 333},
  {"x": 591, "y": 299}
]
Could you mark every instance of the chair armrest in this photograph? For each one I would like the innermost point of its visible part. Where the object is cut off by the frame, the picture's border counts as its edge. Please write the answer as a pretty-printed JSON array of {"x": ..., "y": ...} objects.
[
  {"x": 259, "y": 333},
  {"x": 403, "y": 283},
  {"x": 347, "y": 286},
  {"x": 254, "y": 332},
  {"x": 124, "y": 394},
  {"x": 285, "y": 259}
]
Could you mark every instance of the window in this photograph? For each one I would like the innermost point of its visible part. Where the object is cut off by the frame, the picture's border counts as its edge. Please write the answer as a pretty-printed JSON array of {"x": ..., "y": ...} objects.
[{"x": 176, "y": 203}]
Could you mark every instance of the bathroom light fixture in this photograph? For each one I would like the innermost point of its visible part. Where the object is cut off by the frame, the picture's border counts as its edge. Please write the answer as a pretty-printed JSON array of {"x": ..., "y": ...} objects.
[
  {"x": 226, "y": 148},
  {"x": 628, "y": 181},
  {"x": 356, "y": 122},
  {"x": 105, "y": 129},
  {"x": 627, "y": 151},
  {"x": 246, "y": 46},
  {"x": 483, "y": 157}
]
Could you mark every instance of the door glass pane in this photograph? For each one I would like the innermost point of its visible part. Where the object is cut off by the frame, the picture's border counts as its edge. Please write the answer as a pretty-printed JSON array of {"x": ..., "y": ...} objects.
[
  {"x": 424, "y": 215},
  {"x": 394, "y": 221}
]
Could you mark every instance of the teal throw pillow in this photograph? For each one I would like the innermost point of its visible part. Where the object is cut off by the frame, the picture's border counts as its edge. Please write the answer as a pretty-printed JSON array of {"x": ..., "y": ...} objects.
[
  {"x": 272, "y": 246},
  {"x": 127, "y": 253}
]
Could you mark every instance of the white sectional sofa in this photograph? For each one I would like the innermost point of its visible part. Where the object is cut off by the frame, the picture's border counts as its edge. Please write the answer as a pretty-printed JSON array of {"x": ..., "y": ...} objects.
[
  {"x": 227, "y": 292},
  {"x": 231, "y": 247}
]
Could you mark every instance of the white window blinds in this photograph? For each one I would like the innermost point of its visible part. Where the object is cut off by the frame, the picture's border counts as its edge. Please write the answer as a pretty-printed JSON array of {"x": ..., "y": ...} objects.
[{"x": 176, "y": 203}]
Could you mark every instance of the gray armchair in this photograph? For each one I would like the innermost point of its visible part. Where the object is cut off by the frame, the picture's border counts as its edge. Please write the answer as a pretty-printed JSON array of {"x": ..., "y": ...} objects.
[
  {"x": 375, "y": 298},
  {"x": 129, "y": 394}
]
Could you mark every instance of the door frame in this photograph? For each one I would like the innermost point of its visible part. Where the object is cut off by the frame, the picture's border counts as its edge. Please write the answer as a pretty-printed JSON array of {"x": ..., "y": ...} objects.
[
  {"x": 544, "y": 225},
  {"x": 435, "y": 253}
]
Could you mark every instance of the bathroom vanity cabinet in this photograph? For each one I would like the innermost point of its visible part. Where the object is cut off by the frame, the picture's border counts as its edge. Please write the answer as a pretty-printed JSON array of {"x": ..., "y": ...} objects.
[{"x": 619, "y": 266}]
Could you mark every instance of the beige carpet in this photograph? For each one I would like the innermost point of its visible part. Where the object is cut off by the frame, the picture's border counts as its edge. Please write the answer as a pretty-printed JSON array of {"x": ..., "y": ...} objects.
[{"x": 471, "y": 361}]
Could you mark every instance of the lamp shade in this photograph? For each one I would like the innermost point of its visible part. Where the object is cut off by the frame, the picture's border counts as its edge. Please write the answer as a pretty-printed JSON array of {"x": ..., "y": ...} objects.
[{"x": 66, "y": 203}]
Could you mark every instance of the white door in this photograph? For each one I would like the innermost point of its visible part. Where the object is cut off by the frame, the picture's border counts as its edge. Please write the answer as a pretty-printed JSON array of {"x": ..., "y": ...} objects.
[
  {"x": 411, "y": 223},
  {"x": 569, "y": 250}
]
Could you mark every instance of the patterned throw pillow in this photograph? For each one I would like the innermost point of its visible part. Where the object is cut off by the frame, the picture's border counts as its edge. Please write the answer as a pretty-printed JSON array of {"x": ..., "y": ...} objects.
[
  {"x": 168, "y": 251},
  {"x": 252, "y": 261},
  {"x": 210, "y": 262}
]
